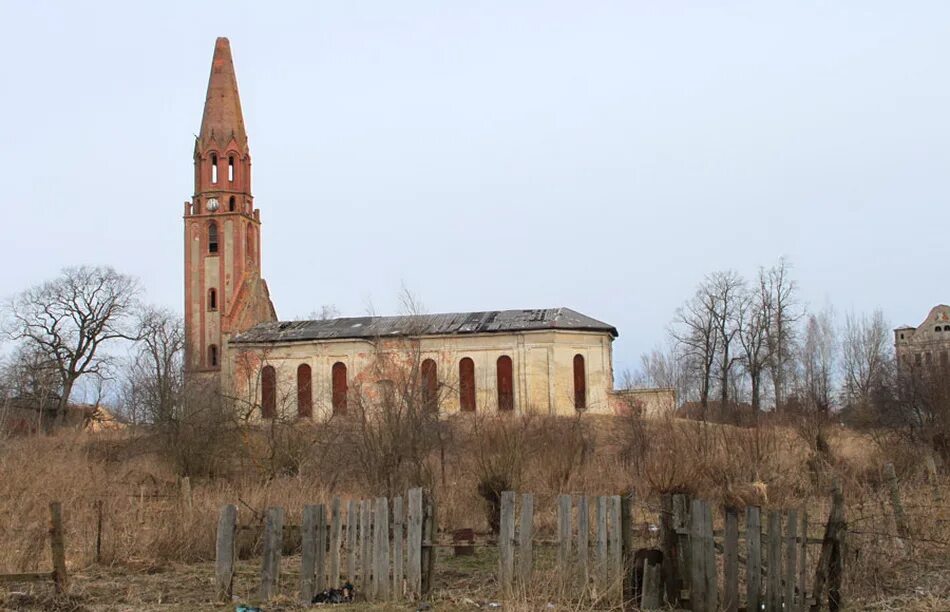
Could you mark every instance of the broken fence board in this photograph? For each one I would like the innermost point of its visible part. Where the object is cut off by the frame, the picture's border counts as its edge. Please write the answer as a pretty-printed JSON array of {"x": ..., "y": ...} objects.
[
  {"x": 753, "y": 572},
  {"x": 506, "y": 536},
  {"x": 730, "y": 596},
  {"x": 398, "y": 547},
  {"x": 224, "y": 553},
  {"x": 308, "y": 554},
  {"x": 333, "y": 572},
  {"x": 525, "y": 535},
  {"x": 273, "y": 544},
  {"x": 414, "y": 543}
]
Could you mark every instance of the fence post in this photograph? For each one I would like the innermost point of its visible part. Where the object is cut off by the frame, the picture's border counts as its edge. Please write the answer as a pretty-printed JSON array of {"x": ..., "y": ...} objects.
[
  {"x": 697, "y": 556},
  {"x": 398, "y": 541},
  {"x": 669, "y": 549},
  {"x": 614, "y": 553},
  {"x": 366, "y": 548},
  {"x": 334, "y": 570},
  {"x": 683, "y": 566},
  {"x": 57, "y": 545},
  {"x": 429, "y": 532},
  {"x": 730, "y": 549},
  {"x": 709, "y": 564},
  {"x": 899, "y": 518},
  {"x": 803, "y": 563},
  {"x": 753, "y": 563},
  {"x": 601, "y": 560},
  {"x": 506, "y": 536},
  {"x": 791, "y": 557},
  {"x": 273, "y": 543},
  {"x": 650, "y": 587},
  {"x": 583, "y": 534},
  {"x": 773, "y": 587},
  {"x": 352, "y": 524},
  {"x": 628, "y": 550},
  {"x": 414, "y": 543},
  {"x": 186, "y": 494},
  {"x": 308, "y": 553},
  {"x": 381, "y": 552},
  {"x": 564, "y": 535},
  {"x": 98, "y": 531},
  {"x": 224, "y": 553},
  {"x": 525, "y": 534},
  {"x": 830, "y": 562},
  {"x": 320, "y": 563}
]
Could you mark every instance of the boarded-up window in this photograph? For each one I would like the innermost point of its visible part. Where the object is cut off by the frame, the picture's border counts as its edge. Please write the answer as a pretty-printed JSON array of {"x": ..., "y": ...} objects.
[
  {"x": 430, "y": 385},
  {"x": 212, "y": 237},
  {"x": 580, "y": 383},
  {"x": 268, "y": 392},
  {"x": 467, "y": 385},
  {"x": 338, "y": 374},
  {"x": 506, "y": 392},
  {"x": 304, "y": 393},
  {"x": 213, "y": 356}
]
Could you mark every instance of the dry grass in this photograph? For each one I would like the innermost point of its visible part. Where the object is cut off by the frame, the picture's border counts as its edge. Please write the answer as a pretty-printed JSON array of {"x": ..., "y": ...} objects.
[{"x": 156, "y": 552}]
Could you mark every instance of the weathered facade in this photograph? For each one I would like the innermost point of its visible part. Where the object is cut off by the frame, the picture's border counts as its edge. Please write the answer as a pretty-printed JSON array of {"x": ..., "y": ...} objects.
[
  {"x": 545, "y": 361},
  {"x": 928, "y": 343}
]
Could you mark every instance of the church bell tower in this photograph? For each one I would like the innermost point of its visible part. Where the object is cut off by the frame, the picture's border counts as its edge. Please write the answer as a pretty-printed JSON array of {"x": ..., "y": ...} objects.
[{"x": 224, "y": 292}]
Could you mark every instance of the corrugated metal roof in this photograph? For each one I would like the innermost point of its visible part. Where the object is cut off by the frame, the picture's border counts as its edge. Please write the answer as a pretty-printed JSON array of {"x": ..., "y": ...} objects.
[{"x": 494, "y": 321}]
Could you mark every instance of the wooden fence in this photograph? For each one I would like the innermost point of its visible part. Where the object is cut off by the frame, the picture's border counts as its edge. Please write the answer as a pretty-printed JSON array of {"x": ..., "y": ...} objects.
[
  {"x": 684, "y": 571},
  {"x": 57, "y": 544},
  {"x": 385, "y": 545}
]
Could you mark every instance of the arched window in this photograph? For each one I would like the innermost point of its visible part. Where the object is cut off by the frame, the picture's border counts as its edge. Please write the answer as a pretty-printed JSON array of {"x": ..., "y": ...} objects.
[
  {"x": 505, "y": 382},
  {"x": 214, "y": 167},
  {"x": 946, "y": 328},
  {"x": 580, "y": 383},
  {"x": 212, "y": 237},
  {"x": 338, "y": 375},
  {"x": 430, "y": 385},
  {"x": 250, "y": 242},
  {"x": 268, "y": 392},
  {"x": 231, "y": 204},
  {"x": 213, "y": 356},
  {"x": 467, "y": 385},
  {"x": 212, "y": 299},
  {"x": 304, "y": 393},
  {"x": 937, "y": 328},
  {"x": 230, "y": 168}
]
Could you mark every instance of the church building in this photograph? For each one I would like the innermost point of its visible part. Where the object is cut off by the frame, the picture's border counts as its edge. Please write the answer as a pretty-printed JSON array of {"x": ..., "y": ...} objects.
[{"x": 544, "y": 361}]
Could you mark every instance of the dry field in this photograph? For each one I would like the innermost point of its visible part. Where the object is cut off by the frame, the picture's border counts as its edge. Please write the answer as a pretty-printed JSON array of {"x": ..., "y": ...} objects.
[{"x": 156, "y": 553}]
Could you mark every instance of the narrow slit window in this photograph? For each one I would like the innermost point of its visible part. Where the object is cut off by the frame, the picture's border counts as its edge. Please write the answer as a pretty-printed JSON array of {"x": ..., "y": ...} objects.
[
  {"x": 338, "y": 376},
  {"x": 430, "y": 386},
  {"x": 213, "y": 356},
  {"x": 230, "y": 168},
  {"x": 304, "y": 393},
  {"x": 580, "y": 383},
  {"x": 467, "y": 385},
  {"x": 214, "y": 168},
  {"x": 505, "y": 381},
  {"x": 212, "y": 299},
  {"x": 212, "y": 237},
  {"x": 268, "y": 392},
  {"x": 231, "y": 204}
]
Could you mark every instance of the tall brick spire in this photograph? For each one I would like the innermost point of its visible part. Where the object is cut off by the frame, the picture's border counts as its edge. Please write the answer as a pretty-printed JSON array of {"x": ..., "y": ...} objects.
[{"x": 222, "y": 119}]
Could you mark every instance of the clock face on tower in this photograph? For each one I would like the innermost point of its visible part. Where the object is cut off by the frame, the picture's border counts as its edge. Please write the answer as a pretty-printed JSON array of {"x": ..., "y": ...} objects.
[{"x": 212, "y": 204}]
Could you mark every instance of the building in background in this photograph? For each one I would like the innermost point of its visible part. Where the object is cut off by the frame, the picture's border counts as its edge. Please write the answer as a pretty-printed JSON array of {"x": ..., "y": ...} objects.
[{"x": 927, "y": 344}]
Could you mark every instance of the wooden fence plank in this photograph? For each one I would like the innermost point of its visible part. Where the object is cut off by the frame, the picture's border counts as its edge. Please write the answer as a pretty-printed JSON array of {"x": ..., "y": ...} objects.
[
  {"x": 429, "y": 530},
  {"x": 308, "y": 554},
  {"x": 829, "y": 569},
  {"x": 601, "y": 550},
  {"x": 697, "y": 556},
  {"x": 614, "y": 552},
  {"x": 57, "y": 544},
  {"x": 398, "y": 547},
  {"x": 681, "y": 525},
  {"x": 627, "y": 547},
  {"x": 803, "y": 564},
  {"x": 791, "y": 557},
  {"x": 583, "y": 533},
  {"x": 414, "y": 543},
  {"x": 753, "y": 572},
  {"x": 730, "y": 597},
  {"x": 352, "y": 527},
  {"x": 709, "y": 563},
  {"x": 650, "y": 587},
  {"x": 525, "y": 535},
  {"x": 273, "y": 544},
  {"x": 224, "y": 553},
  {"x": 506, "y": 536},
  {"x": 333, "y": 572},
  {"x": 366, "y": 546},
  {"x": 900, "y": 519},
  {"x": 381, "y": 549},
  {"x": 320, "y": 559},
  {"x": 773, "y": 587},
  {"x": 564, "y": 535}
]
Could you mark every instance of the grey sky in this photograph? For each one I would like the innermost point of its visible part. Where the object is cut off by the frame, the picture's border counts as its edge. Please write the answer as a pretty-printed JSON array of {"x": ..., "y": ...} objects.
[{"x": 597, "y": 155}]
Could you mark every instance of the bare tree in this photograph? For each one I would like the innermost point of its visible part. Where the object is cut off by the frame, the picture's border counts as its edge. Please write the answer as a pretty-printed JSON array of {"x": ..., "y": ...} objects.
[
  {"x": 865, "y": 353},
  {"x": 71, "y": 318},
  {"x": 727, "y": 290},
  {"x": 783, "y": 314},
  {"x": 818, "y": 363},
  {"x": 752, "y": 324},
  {"x": 152, "y": 389},
  {"x": 696, "y": 334},
  {"x": 662, "y": 368}
]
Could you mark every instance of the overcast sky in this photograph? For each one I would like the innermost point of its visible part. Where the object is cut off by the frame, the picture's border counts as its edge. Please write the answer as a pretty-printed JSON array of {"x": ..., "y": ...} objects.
[{"x": 597, "y": 155}]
